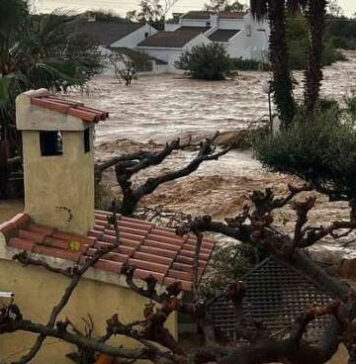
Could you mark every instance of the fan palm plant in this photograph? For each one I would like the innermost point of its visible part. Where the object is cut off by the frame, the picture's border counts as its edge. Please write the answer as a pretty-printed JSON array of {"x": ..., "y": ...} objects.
[
  {"x": 316, "y": 12},
  {"x": 38, "y": 51},
  {"x": 282, "y": 85}
]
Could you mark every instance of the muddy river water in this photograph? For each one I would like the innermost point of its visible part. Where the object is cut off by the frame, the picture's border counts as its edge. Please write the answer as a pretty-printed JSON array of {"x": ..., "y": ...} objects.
[{"x": 159, "y": 108}]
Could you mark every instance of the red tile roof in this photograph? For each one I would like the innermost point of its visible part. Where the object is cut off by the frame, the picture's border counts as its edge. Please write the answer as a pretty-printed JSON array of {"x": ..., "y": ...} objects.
[
  {"x": 150, "y": 249},
  {"x": 76, "y": 109}
]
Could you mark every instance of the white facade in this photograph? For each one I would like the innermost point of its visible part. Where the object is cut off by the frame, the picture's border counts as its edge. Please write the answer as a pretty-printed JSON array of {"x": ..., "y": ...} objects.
[
  {"x": 131, "y": 40},
  {"x": 170, "y": 55},
  {"x": 250, "y": 42}
]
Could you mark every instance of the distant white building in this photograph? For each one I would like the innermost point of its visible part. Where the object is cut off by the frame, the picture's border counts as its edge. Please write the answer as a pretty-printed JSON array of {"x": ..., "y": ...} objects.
[
  {"x": 240, "y": 33},
  {"x": 117, "y": 41}
]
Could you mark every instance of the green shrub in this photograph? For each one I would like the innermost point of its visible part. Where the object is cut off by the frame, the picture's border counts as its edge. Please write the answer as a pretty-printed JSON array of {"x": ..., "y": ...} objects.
[
  {"x": 341, "y": 32},
  {"x": 249, "y": 65},
  {"x": 321, "y": 151},
  {"x": 206, "y": 62},
  {"x": 298, "y": 44}
]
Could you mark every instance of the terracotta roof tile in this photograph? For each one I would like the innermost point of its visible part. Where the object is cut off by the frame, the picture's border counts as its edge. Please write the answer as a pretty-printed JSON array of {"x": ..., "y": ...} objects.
[
  {"x": 151, "y": 250},
  {"x": 109, "y": 265},
  {"x": 56, "y": 252},
  {"x": 142, "y": 274},
  {"x": 22, "y": 244},
  {"x": 41, "y": 228},
  {"x": 36, "y": 237},
  {"x": 76, "y": 109}
]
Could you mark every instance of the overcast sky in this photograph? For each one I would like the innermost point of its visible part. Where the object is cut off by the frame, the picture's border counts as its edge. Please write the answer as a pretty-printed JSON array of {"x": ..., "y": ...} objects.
[{"x": 122, "y": 6}]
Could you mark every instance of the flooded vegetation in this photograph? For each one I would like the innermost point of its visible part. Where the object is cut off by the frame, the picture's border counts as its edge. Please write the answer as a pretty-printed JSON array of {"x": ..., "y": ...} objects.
[{"x": 159, "y": 108}]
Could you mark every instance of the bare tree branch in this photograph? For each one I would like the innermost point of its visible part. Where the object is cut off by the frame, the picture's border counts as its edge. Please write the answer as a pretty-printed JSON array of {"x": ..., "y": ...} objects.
[{"x": 132, "y": 197}]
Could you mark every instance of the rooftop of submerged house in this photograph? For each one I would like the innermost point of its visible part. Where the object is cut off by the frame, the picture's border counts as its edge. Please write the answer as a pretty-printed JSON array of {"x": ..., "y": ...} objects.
[
  {"x": 59, "y": 220},
  {"x": 150, "y": 249}
]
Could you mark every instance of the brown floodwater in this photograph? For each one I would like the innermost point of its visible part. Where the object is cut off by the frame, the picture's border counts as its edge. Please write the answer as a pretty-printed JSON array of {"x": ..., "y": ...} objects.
[{"x": 161, "y": 107}]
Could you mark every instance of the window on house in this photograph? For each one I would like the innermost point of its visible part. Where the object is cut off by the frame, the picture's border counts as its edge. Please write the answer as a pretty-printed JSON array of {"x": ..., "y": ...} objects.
[
  {"x": 51, "y": 143},
  {"x": 87, "y": 140},
  {"x": 208, "y": 24},
  {"x": 146, "y": 35}
]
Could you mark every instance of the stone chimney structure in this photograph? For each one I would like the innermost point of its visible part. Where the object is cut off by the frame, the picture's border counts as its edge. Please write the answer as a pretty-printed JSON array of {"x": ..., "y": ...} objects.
[{"x": 58, "y": 160}]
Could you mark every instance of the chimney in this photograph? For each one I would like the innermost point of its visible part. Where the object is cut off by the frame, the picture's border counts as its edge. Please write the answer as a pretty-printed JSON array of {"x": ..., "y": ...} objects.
[{"x": 58, "y": 160}]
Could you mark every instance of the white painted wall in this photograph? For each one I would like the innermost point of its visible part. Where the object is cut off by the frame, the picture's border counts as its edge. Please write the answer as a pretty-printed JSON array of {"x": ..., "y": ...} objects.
[
  {"x": 134, "y": 38},
  {"x": 213, "y": 22},
  {"x": 250, "y": 42},
  {"x": 259, "y": 40},
  {"x": 171, "y": 55},
  {"x": 231, "y": 23},
  {"x": 170, "y": 27}
]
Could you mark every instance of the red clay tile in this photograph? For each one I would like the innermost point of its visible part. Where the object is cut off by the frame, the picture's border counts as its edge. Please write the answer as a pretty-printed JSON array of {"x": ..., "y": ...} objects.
[
  {"x": 143, "y": 274},
  {"x": 20, "y": 220},
  {"x": 100, "y": 225},
  {"x": 164, "y": 239},
  {"x": 21, "y": 244},
  {"x": 153, "y": 250},
  {"x": 191, "y": 248},
  {"x": 157, "y": 244},
  {"x": 114, "y": 256},
  {"x": 186, "y": 286},
  {"x": 150, "y": 250},
  {"x": 149, "y": 266},
  {"x": 136, "y": 221},
  {"x": 134, "y": 226},
  {"x": 64, "y": 101},
  {"x": 57, "y": 253},
  {"x": 191, "y": 253},
  {"x": 6, "y": 227},
  {"x": 96, "y": 234},
  {"x": 170, "y": 233},
  {"x": 89, "y": 240},
  {"x": 100, "y": 218},
  {"x": 189, "y": 260},
  {"x": 85, "y": 115},
  {"x": 103, "y": 114},
  {"x": 109, "y": 239},
  {"x": 62, "y": 244},
  {"x": 134, "y": 237},
  {"x": 101, "y": 244},
  {"x": 109, "y": 265},
  {"x": 182, "y": 267},
  {"x": 179, "y": 275},
  {"x": 38, "y": 228},
  {"x": 50, "y": 104},
  {"x": 29, "y": 235},
  {"x": 126, "y": 250},
  {"x": 76, "y": 109},
  {"x": 124, "y": 229},
  {"x": 154, "y": 258}
]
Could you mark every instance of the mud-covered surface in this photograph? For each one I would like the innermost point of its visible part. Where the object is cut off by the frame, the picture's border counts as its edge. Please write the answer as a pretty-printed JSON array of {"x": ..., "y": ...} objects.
[
  {"x": 159, "y": 108},
  {"x": 163, "y": 107}
]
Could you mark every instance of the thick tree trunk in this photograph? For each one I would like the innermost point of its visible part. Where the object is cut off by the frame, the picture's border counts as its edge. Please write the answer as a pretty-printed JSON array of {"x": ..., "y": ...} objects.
[
  {"x": 282, "y": 84},
  {"x": 313, "y": 75}
]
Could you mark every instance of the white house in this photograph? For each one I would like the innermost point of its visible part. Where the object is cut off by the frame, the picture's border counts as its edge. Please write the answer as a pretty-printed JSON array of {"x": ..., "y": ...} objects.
[
  {"x": 168, "y": 46},
  {"x": 240, "y": 33},
  {"x": 117, "y": 39}
]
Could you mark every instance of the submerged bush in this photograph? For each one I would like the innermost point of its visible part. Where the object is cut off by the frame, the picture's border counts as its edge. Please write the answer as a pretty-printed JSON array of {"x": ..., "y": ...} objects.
[
  {"x": 249, "y": 65},
  {"x": 321, "y": 151},
  {"x": 206, "y": 62},
  {"x": 298, "y": 44}
]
